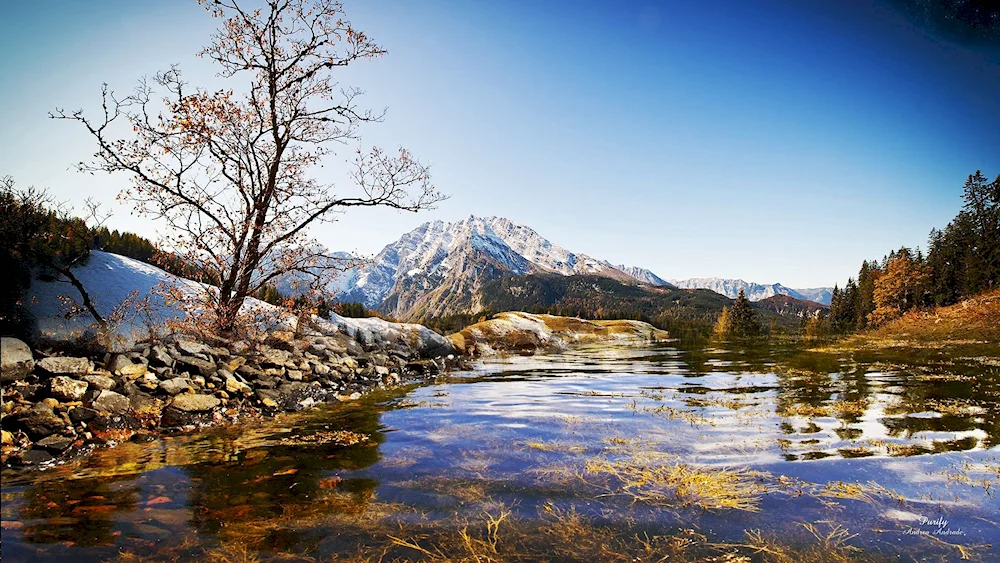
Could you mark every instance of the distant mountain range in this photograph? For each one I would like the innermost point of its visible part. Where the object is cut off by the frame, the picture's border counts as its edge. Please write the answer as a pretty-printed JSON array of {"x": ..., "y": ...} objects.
[
  {"x": 755, "y": 291},
  {"x": 440, "y": 267}
]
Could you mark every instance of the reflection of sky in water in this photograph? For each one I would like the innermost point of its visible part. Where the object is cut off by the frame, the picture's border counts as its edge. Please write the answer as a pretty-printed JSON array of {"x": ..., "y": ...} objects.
[
  {"x": 720, "y": 417},
  {"x": 519, "y": 431}
]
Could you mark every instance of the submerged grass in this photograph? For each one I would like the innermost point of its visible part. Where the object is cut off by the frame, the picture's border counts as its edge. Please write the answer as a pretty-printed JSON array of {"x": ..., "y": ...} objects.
[{"x": 710, "y": 488}]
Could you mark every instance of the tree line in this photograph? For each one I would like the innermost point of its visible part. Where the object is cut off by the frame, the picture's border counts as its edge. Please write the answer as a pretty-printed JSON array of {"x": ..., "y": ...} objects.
[{"x": 962, "y": 260}]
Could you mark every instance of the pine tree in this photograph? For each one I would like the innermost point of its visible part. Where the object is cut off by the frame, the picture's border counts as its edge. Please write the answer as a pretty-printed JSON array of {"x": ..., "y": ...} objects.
[{"x": 743, "y": 320}]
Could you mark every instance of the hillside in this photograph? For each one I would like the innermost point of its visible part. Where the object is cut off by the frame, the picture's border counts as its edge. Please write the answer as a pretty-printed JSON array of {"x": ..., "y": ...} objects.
[
  {"x": 111, "y": 279},
  {"x": 974, "y": 320},
  {"x": 597, "y": 297},
  {"x": 788, "y": 306}
]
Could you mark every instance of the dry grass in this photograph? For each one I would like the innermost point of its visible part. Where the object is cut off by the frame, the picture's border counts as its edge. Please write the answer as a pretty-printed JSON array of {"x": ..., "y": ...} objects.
[
  {"x": 972, "y": 323},
  {"x": 710, "y": 488}
]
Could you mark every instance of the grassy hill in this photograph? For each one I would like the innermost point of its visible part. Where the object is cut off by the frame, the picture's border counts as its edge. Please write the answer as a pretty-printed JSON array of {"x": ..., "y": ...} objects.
[
  {"x": 966, "y": 331},
  {"x": 786, "y": 306},
  {"x": 684, "y": 312},
  {"x": 975, "y": 319}
]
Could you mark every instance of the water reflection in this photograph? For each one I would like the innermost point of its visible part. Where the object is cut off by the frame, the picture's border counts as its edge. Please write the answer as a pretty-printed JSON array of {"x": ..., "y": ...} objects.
[{"x": 545, "y": 439}]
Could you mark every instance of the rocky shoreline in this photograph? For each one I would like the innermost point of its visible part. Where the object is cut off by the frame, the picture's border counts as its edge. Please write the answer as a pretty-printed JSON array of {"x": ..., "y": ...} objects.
[{"x": 56, "y": 405}]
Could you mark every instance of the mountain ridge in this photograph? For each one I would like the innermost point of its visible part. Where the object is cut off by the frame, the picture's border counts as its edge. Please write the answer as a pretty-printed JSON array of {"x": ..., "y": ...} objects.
[{"x": 439, "y": 267}]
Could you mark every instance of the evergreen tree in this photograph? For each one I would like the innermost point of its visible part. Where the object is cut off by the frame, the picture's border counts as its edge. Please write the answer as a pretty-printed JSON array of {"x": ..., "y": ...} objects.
[{"x": 743, "y": 319}]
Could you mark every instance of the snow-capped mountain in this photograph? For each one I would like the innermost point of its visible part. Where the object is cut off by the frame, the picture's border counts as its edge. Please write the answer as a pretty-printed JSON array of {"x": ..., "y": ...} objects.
[
  {"x": 643, "y": 275},
  {"x": 436, "y": 268},
  {"x": 754, "y": 291}
]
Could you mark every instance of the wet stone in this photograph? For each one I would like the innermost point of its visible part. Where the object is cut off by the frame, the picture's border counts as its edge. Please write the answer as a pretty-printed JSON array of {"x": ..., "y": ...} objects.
[
  {"x": 112, "y": 402},
  {"x": 194, "y": 403},
  {"x": 39, "y": 421},
  {"x": 82, "y": 414},
  {"x": 55, "y": 444},
  {"x": 35, "y": 457}
]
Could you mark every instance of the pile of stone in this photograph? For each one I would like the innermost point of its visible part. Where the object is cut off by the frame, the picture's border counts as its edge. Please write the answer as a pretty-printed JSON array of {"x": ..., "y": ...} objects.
[{"x": 54, "y": 405}]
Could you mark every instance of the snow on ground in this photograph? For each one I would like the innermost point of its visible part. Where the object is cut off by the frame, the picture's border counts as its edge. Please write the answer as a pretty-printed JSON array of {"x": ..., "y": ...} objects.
[{"x": 111, "y": 279}]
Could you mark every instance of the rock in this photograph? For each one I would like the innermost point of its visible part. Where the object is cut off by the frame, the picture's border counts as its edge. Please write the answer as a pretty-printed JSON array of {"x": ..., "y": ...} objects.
[
  {"x": 192, "y": 348},
  {"x": 160, "y": 356},
  {"x": 234, "y": 386},
  {"x": 133, "y": 371},
  {"x": 351, "y": 363},
  {"x": 145, "y": 404},
  {"x": 273, "y": 358},
  {"x": 117, "y": 362},
  {"x": 381, "y": 370},
  {"x": 98, "y": 381},
  {"x": 16, "y": 358},
  {"x": 249, "y": 372},
  {"x": 27, "y": 392},
  {"x": 82, "y": 414},
  {"x": 64, "y": 365},
  {"x": 67, "y": 389},
  {"x": 197, "y": 365},
  {"x": 35, "y": 457},
  {"x": 321, "y": 369},
  {"x": 39, "y": 421},
  {"x": 112, "y": 402},
  {"x": 175, "y": 386},
  {"x": 194, "y": 403},
  {"x": 55, "y": 443},
  {"x": 270, "y": 398}
]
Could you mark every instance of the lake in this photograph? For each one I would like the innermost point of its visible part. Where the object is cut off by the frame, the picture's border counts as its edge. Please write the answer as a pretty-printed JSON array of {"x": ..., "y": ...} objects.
[{"x": 602, "y": 454}]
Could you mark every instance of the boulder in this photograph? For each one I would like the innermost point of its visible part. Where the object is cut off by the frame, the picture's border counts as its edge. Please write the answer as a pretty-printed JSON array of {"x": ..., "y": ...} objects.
[
  {"x": 192, "y": 348},
  {"x": 160, "y": 356},
  {"x": 64, "y": 365},
  {"x": 17, "y": 360},
  {"x": 196, "y": 365},
  {"x": 82, "y": 414},
  {"x": 35, "y": 457},
  {"x": 98, "y": 381},
  {"x": 55, "y": 444},
  {"x": 175, "y": 386},
  {"x": 117, "y": 362},
  {"x": 133, "y": 371},
  {"x": 112, "y": 402},
  {"x": 194, "y": 403},
  {"x": 67, "y": 389},
  {"x": 235, "y": 386},
  {"x": 39, "y": 421}
]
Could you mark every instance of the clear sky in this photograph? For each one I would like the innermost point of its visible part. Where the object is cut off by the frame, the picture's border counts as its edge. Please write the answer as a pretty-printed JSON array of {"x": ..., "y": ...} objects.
[{"x": 772, "y": 140}]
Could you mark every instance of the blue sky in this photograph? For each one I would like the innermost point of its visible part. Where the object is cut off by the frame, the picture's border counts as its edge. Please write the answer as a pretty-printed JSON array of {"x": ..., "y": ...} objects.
[{"x": 768, "y": 140}]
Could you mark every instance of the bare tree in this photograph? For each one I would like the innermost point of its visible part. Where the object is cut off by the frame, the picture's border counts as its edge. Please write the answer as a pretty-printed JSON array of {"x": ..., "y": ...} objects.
[{"x": 228, "y": 173}]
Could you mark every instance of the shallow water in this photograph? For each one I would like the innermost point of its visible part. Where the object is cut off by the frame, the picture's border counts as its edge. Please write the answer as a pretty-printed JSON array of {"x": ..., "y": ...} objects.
[{"x": 599, "y": 453}]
